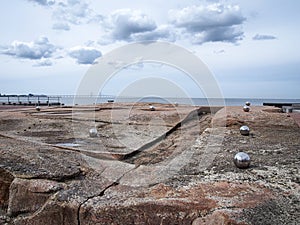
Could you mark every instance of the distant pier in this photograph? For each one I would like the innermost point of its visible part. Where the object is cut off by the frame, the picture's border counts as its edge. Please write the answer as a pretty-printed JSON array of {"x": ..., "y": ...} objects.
[
  {"x": 280, "y": 105},
  {"x": 30, "y": 100}
]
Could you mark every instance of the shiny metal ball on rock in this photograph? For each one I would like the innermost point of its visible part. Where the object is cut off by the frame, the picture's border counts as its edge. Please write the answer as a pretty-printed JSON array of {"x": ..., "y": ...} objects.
[
  {"x": 247, "y": 103},
  {"x": 152, "y": 108},
  {"x": 244, "y": 130},
  {"x": 246, "y": 108},
  {"x": 242, "y": 160},
  {"x": 93, "y": 132},
  {"x": 38, "y": 108}
]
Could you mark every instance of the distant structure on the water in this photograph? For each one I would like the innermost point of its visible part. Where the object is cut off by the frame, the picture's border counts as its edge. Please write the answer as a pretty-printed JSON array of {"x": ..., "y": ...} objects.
[{"x": 30, "y": 100}]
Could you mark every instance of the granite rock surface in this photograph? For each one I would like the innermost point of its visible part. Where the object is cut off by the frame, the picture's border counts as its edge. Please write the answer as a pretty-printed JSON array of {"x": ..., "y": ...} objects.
[{"x": 173, "y": 165}]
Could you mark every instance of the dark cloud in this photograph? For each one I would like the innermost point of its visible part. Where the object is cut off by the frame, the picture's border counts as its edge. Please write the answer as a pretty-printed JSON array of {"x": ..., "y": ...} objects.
[
  {"x": 84, "y": 55},
  {"x": 61, "y": 26},
  {"x": 124, "y": 23},
  {"x": 211, "y": 23},
  {"x": 160, "y": 33},
  {"x": 134, "y": 25},
  {"x": 221, "y": 34},
  {"x": 259, "y": 37},
  {"x": 40, "y": 48}
]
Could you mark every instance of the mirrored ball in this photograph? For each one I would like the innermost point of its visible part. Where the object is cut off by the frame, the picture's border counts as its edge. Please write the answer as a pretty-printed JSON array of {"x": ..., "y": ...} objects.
[
  {"x": 246, "y": 108},
  {"x": 93, "y": 132},
  {"x": 242, "y": 160},
  {"x": 152, "y": 108},
  {"x": 244, "y": 130}
]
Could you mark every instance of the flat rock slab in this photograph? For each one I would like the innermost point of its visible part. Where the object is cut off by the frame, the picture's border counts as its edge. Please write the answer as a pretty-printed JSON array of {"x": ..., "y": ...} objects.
[
  {"x": 169, "y": 166},
  {"x": 122, "y": 128},
  {"x": 31, "y": 160}
]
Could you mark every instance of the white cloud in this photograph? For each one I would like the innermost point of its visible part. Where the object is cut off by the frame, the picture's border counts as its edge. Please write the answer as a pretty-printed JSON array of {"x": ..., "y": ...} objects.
[
  {"x": 259, "y": 37},
  {"x": 84, "y": 55},
  {"x": 124, "y": 23},
  {"x": 43, "y": 62},
  {"x": 214, "y": 22},
  {"x": 61, "y": 26},
  {"x": 75, "y": 12},
  {"x": 66, "y": 12},
  {"x": 38, "y": 49}
]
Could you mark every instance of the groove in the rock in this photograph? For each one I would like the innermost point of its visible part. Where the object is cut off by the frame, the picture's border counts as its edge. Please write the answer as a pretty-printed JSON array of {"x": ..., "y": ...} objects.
[{"x": 192, "y": 115}]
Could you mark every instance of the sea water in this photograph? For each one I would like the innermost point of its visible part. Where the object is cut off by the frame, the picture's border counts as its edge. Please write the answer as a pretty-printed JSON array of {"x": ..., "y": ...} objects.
[{"x": 84, "y": 100}]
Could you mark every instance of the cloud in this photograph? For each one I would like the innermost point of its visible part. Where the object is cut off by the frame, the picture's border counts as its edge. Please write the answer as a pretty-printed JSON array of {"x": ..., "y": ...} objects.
[
  {"x": 259, "y": 37},
  {"x": 221, "y": 34},
  {"x": 75, "y": 12},
  {"x": 43, "y": 2},
  {"x": 69, "y": 12},
  {"x": 84, "y": 55},
  {"x": 61, "y": 26},
  {"x": 211, "y": 23},
  {"x": 219, "y": 51},
  {"x": 123, "y": 24},
  {"x": 38, "y": 49},
  {"x": 43, "y": 62},
  {"x": 163, "y": 32}
]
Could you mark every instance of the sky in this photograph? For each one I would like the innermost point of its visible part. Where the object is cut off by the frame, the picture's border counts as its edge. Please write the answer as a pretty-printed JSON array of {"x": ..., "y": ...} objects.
[{"x": 251, "y": 47}]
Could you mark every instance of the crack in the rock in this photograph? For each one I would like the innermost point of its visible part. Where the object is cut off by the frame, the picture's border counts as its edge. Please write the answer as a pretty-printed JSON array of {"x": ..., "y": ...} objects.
[
  {"x": 94, "y": 120},
  {"x": 102, "y": 193}
]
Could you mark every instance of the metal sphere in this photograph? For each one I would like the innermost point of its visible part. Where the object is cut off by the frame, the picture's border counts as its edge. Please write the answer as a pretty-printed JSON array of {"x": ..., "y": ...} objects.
[
  {"x": 152, "y": 108},
  {"x": 38, "y": 108},
  {"x": 247, "y": 103},
  {"x": 242, "y": 160},
  {"x": 244, "y": 130},
  {"x": 93, "y": 132},
  {"x": 246, "y": 108}
]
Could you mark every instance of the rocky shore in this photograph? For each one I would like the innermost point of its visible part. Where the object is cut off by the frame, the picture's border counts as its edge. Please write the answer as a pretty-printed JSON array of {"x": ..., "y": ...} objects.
[{"x": 171, "y": 165}]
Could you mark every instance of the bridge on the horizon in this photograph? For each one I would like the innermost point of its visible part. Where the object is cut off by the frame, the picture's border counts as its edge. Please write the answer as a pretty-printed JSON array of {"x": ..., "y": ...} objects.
[
  {"x": 44, "y": 100},
  {"x": 30, "y": 100}
]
